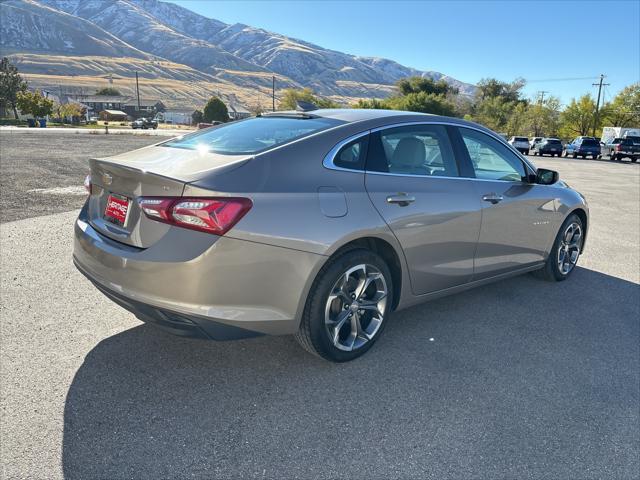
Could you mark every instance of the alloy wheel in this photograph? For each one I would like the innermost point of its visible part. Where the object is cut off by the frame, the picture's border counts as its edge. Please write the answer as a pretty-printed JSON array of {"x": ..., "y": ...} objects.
[
  {"x": 569, "y": 248},
  {"x": 355, "y": 308}
]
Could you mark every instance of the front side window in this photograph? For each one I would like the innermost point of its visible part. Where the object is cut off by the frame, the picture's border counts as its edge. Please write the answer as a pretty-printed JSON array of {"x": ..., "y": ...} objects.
[
  {"x": 412, "y": 150},
  {"x": 491, "y": 159},
  {"x": 253, "y": 135}
]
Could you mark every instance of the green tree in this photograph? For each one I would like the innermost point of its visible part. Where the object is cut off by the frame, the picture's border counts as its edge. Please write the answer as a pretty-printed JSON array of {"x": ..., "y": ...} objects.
[
  {"x": 493, "y": 113},
  {"x": 491, "y": 88},
  {"x": 66, "y": 110},
  {"x": 543, "y": 118},
  {"x": 411, "y": 85},
  {"x": 11, "y": 84},
  {"x": 578, "y": 117},
  {"x": 517, "y": 122},
  {"x": 215, "y": 111},
  {"x": 110, "y": 91},
  {"x": 291, "y": 96},
  {"x": 624, "y": 110},
  {"x": 34, "y": 103},
  {"x": 197, "y": 117}
]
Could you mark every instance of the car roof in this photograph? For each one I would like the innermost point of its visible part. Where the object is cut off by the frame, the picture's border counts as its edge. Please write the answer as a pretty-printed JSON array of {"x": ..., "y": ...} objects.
[{"x": 351, "y": 114}]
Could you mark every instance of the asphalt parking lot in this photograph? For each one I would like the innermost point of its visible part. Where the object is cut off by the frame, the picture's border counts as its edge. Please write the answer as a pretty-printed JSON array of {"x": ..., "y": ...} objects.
[{"x": 518, "y": 379}]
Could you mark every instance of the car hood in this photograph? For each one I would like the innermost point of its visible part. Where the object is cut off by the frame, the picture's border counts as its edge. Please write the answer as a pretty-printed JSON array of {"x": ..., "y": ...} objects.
[{"x": 177, "y": 163}]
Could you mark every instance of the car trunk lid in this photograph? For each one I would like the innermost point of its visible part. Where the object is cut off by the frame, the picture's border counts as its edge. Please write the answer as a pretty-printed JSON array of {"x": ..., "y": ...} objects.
[{"x": 118, "y": 182}]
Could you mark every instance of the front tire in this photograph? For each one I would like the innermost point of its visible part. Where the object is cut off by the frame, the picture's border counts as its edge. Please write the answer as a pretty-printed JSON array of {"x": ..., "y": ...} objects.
[
  {"x": 565, "y": 252},
  {"x": 348, "y": 306}
]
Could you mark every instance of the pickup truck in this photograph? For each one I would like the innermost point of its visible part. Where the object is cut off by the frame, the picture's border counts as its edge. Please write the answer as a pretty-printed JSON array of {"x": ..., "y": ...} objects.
[
  {"x": 620, "y": 148},
  {"x": 583, "y": 147}
]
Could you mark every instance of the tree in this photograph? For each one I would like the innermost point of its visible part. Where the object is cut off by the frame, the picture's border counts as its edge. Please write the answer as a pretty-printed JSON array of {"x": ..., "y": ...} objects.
[
  {"x": 215, "y": 111},
  {"x": 424, "y": 84},
  {"x": 543, "y": 118},
  {"x": 491, "y": 88},
  {"x": 578, "y": 117},
  {"x": 34, "y": 103},
  {"x": 66, "y": 110},
  {"x": 495, "y": 102},
  {"x": 110, "y": 91},
  {"x": 197, "y": 117},
  {"x": 291, "y": 96},
  {"x": 11, "y": 84},
  {"x": 624, "y": 110}
]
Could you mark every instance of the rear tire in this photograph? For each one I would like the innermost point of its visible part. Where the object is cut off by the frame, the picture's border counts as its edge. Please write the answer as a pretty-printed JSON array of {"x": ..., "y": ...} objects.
[
  {"x": 574, "y": 155},
  {"x": 565, "y": 252},
  {"x": 613, "y": 157},
  {"x": 333, "y": 325}
]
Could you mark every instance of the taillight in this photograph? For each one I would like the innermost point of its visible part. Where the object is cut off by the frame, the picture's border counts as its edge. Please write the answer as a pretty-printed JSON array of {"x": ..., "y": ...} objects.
[
  {"x": 619, "y": 147},
  {"x": 211, "y": 215},
  {"x": 87, "y": 183}
]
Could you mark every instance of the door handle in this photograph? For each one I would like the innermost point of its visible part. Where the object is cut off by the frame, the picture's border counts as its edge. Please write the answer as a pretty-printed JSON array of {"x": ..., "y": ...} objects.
[
  {"x": 401, "y": 199},
  {"x": 492, "y": 198}
]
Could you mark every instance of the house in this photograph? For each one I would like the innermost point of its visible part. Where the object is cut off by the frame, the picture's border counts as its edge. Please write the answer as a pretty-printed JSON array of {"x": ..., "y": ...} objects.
[
  {"x": 98, "y": 103},
  {"x": 176, "y": 116},
  {"x": 113, "y": 116},
  {"x": 237, "y": 111},
  {"x": 148, "y": 107}
]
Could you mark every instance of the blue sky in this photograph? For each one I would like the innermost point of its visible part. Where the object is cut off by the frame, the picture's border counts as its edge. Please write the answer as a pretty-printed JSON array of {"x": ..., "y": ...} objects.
[{"x": 545, "y": 42}]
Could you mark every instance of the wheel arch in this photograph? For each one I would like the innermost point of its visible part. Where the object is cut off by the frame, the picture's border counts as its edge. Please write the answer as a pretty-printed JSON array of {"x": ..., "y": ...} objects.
[
  {"x": 582, "y": 214},
  {"x": 386, "y": 251}
]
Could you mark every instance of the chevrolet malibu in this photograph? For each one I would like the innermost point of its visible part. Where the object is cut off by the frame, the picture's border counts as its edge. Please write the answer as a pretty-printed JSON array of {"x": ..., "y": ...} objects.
[{"x": 319, "y": 224}]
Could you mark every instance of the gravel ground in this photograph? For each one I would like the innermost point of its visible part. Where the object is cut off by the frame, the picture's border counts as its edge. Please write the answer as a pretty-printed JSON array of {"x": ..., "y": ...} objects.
[
  {"x": 34, "y": 163},
  {"x": 519, "y": 379}
]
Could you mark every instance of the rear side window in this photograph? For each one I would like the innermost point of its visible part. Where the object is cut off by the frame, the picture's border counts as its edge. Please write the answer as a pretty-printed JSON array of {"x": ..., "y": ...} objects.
[
  {"x": 352, "y": 155},
  {"x": 253, "y": 135},
  {"x": 423, "y": 150},
  {"x": 491, "y": 159}
]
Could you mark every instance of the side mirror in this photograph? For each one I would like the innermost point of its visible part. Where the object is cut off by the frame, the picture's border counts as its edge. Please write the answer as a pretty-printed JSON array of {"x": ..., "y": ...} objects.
[{"x": 546, "y": 177}]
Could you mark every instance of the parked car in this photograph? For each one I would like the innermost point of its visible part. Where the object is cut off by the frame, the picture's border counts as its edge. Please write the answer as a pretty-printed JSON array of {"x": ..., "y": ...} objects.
[
  {"x": 547, "y": 146},
  {"x": 521, "y": 144},
  {"x": 620, "y": 148},
  {"x": 144, "y": 123},
  {"x": 319, "y": 224},
  {"x": 533, "y": 141},
  {"x": 583, "y": 147}
]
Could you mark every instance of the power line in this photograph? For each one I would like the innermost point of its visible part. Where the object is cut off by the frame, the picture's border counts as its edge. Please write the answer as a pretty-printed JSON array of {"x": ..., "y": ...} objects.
[{"x": 568, "y": 79}]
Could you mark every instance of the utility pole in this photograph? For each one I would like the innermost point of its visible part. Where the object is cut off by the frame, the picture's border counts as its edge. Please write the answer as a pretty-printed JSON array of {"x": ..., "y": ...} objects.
[
  {"x": 597, "y": 118},
  {"x": 137, "y": 91},
  {"x": 273, "y": 93},
  {"x": 541, "y": 95}
]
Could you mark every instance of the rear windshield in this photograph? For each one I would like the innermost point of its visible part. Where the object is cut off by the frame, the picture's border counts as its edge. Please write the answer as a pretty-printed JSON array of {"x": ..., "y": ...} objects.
[
  {"x": 634, "y": 140},
  {"x": 590, "y": 143},
  {"x": 552, "y": 141},
  {"x": 252, "y": 135},
  {"x": 521, "y": 139}
]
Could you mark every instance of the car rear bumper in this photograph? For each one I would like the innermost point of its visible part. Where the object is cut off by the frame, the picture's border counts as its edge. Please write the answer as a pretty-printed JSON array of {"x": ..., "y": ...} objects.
[{"x": 194, "y": 283}]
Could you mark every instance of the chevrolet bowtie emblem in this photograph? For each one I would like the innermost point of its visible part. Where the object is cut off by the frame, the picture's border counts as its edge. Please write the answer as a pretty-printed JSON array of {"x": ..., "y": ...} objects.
[{"x": 107, "y": 179}]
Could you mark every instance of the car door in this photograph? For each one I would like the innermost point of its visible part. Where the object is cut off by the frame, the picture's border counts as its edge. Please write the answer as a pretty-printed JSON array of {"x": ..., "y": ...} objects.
[
  {"x": 517, "y": 216},
  {"x": 413, "y": 179}
]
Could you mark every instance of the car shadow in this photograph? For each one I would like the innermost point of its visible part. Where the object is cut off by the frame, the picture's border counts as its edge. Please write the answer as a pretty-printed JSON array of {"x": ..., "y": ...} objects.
[{"x": 518, "y": 377}]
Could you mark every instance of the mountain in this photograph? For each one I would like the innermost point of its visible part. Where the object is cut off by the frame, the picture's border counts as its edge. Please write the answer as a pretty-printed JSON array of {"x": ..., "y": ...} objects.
[
  {"x": 166, "y": 43},
  {"x": 32, "y": 27}
]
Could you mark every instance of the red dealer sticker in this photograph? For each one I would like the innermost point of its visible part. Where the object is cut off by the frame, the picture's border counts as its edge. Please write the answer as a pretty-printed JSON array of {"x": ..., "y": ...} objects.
[{"x": 116, "y": 210}]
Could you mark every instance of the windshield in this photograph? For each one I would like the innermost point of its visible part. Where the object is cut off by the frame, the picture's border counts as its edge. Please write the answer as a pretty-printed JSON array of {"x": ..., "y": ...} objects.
[
  {"x": 521, "y": 139},
  {"x": 252, "y": 135}
]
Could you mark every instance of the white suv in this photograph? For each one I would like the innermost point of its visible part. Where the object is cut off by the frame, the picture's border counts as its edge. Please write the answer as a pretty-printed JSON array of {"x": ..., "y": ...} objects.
[{"x": 521, "y": 144}]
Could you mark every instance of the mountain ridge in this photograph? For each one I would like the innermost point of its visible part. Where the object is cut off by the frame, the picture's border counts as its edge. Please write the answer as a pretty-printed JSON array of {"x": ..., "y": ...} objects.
[{"x": 157, "y": 31}]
